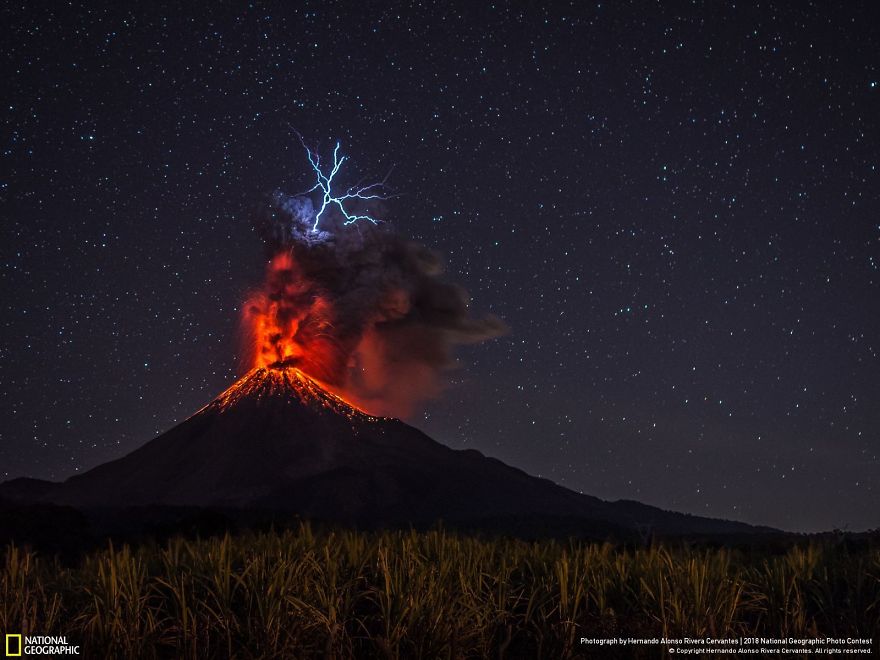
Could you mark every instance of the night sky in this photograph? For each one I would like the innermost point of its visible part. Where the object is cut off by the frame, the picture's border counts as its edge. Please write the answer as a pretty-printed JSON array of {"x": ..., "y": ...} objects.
[{"x": 675, "y": 208}]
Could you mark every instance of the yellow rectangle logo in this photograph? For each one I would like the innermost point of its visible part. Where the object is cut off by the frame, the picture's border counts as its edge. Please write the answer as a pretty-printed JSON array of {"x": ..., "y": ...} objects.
[{"x": 13, "y": 646}]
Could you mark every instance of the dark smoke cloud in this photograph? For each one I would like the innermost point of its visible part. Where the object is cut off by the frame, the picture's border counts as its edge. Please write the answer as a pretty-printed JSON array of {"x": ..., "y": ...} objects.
[{"x": 376, "y": 319}]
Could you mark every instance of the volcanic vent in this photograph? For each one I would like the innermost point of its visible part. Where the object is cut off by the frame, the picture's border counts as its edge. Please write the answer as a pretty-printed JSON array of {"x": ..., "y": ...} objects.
[{"x": 284, "y": 381}]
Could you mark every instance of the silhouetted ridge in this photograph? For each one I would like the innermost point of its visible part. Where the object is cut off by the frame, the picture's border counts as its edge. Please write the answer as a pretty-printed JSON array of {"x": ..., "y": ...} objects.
[{"x": 277, "y": 440}]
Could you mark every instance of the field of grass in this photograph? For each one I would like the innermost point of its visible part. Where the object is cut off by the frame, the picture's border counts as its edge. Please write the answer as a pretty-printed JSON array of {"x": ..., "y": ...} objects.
[{"x": 302, "y": 594}]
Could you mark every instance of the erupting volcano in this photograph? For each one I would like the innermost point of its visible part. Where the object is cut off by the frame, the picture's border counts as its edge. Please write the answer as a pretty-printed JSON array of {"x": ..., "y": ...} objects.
[
  {"x": 352, "y": 304},
  {"x": 352, "y": 327}
]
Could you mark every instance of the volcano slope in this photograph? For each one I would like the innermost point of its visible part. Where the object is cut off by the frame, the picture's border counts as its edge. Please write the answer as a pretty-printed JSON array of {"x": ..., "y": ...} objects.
[{"x": 276, "y": 440}]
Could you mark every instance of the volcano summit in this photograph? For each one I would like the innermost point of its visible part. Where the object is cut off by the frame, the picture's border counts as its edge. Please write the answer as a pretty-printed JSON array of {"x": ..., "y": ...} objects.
[{"x": 278, "y": 440}]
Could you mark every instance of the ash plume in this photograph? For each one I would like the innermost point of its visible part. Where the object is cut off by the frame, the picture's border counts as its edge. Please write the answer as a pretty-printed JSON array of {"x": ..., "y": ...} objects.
[{"x": 358, "y": 308}]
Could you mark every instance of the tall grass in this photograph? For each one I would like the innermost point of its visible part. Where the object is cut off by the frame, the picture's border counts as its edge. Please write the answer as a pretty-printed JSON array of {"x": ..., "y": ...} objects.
[{"x": 345, "y": 594}]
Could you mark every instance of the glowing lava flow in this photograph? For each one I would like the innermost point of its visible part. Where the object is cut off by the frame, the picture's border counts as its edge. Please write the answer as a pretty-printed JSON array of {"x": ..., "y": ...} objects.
[{"x": 291, "y": 384}]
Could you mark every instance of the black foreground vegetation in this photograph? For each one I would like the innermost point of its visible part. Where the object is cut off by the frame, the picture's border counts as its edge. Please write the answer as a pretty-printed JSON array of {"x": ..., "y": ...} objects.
[{"x": 303, "y": 594}]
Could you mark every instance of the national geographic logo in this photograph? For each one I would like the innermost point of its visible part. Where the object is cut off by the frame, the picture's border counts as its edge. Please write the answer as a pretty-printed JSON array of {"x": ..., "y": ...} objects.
[
  {"x": 13, "y": 646},
  {"x": 19, "y": 645}
]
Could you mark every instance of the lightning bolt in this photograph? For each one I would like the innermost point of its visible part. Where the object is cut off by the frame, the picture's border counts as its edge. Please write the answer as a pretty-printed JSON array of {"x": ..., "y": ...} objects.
[{"x": 324, "y": 183}]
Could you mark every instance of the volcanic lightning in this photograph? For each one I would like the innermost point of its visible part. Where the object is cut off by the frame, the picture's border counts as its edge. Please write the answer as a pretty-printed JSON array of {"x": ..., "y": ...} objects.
[{"x": 324, "y": 183}]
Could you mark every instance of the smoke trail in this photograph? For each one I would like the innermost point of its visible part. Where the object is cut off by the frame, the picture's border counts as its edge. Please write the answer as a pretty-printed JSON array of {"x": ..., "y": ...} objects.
[{"x": 358, "y": 308}]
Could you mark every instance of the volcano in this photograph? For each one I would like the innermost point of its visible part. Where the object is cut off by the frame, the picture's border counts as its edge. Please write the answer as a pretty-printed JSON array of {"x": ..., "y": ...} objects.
[{"x": 278, "y": 440}]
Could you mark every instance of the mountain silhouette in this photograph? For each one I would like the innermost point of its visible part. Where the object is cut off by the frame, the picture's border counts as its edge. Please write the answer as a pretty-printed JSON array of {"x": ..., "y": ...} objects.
[{"x": 277, "y": 440}]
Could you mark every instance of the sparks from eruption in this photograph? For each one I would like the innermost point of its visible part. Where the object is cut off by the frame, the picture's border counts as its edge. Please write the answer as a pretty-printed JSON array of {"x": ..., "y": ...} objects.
[
  {"x": 324, "y": 183},
  {"x": 279, "y": 380}
]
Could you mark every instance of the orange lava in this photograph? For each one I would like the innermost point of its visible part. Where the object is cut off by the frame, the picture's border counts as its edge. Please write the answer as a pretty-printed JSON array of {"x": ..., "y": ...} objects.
[
  {"x": 291, "y": 323},
  {"x": 285, "y": 382}
]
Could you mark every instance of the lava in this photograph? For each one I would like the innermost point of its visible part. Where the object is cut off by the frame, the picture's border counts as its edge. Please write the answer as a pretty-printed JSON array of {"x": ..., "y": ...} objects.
[
  {"x": 293, "y": 329},
  {"x": 288, "y": 382},
  {"x": 291, "y": 320}
]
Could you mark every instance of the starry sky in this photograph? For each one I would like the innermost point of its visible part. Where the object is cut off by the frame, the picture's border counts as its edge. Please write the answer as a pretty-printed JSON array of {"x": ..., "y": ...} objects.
[{"x": 674, "y": 207}]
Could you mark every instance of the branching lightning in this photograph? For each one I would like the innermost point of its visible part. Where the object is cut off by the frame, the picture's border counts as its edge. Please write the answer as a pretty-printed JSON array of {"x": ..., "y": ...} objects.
[{"x": 324, "y": 183}]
